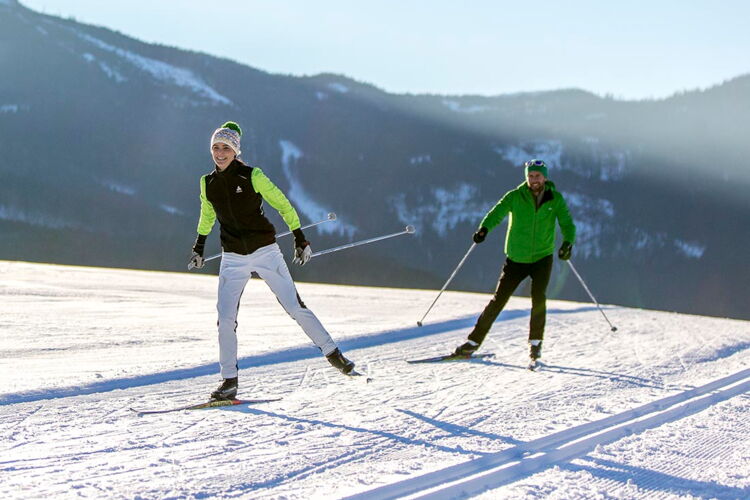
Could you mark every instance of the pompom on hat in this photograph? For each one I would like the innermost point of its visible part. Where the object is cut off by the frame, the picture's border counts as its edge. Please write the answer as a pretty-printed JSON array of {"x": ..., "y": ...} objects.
[{"x": 229, "y": 134}]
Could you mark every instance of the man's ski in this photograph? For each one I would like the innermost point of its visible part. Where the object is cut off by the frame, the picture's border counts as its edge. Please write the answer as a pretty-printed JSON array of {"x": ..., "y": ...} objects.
[
  {"x": 534, "y": 365},
  {"x": 215, "y": 403},
  {"x": 452, "y": 357}
]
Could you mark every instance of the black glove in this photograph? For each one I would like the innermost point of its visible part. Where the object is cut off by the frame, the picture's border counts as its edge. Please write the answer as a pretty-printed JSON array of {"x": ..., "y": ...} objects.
[
  {"x": 565, "y": 250},
  {"x": 480, "y": 235},
  {"x": 302, "y": 248},
  {"x": 196, "y": 260}
]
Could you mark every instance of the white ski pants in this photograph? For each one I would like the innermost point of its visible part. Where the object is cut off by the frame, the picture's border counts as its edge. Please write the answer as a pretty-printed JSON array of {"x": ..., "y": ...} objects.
[{"x": 234, "y": 274}]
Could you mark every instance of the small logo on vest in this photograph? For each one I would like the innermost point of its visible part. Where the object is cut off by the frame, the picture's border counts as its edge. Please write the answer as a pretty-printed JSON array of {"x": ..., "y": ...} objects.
[{"x": 239, "y": 190}]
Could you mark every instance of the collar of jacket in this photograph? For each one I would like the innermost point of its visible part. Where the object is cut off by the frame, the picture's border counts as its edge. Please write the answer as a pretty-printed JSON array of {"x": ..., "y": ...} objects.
[
  {"x": 231, "y": 168},
  {"x": 548, "y": 186},
  {"x": 549, "y": 189}
]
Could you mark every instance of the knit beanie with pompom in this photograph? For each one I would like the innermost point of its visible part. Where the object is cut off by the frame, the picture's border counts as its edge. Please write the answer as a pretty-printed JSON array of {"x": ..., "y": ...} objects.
[{"x": 228, "y": 134}]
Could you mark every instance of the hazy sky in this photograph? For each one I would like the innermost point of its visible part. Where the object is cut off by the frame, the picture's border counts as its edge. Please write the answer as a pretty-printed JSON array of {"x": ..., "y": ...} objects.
[{"x": 632, "y": 50}]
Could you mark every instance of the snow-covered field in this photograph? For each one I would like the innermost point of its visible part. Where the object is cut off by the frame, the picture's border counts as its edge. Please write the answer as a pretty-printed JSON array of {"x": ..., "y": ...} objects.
[{"x": 657, "y": 410}]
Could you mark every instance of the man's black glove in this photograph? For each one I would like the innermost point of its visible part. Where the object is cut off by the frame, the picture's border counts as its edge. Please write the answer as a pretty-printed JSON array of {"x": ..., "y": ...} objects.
[
  {"x": 480, "y": 235},
  {"x": 302, "y": 248},
  {"x": 565, "y": 250},
  {"x": 196, "y": 260}
]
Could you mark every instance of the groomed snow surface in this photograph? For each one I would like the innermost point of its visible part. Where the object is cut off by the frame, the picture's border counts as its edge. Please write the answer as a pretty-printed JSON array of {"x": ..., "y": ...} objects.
[{"x": 657, "y": 410}]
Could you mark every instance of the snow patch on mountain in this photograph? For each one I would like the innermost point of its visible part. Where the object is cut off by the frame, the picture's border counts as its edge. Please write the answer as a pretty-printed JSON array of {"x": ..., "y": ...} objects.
[
  {"x": 338, "y": 87},
  {"x": 594, "y": 222},
  {"x": 644, "y": 240},
  {"x": 321, "y": 96},
  {"x": 113, "y": 74},
  {"x": 592, "y": 217},
  {"x": 596, "y": 206},
  {"x": 171, "y": 210},
  {"x": 444, "y": 211},
  {"x": 160, "y": 70},
  {"x": 613, "y": 165},
  {"x": 302, "y": 200},
  {"x": 417, "y": 160},
  {"x": 118, "y": 188},
  {"x": 550, "y": 151},
  {"x": 692, "y": 250},
  {"x": 35, "y": 219},
  {"x": 459, "y": 107},
  {"x": 9, "y": 108}
]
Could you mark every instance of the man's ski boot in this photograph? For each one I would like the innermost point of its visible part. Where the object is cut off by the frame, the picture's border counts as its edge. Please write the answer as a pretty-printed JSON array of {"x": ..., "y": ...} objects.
[
  {"x": 466, "y": 349},
  {"x": 535, "y": 352},
  {"x": 227, "y": 389},
  {"x": 339, "y": 362}
]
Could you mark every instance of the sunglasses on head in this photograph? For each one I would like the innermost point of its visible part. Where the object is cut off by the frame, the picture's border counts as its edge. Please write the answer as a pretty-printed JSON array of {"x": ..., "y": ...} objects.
[{"x": 535, "y": 163}]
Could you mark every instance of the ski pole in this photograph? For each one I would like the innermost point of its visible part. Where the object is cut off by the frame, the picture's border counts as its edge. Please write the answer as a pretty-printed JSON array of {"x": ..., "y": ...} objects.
[
  {"x": 408, "y": 230},
  {"x": 331, "y": 216},
  {"x": 419, "y": 323},
  {"x": 614, "y": 328}
]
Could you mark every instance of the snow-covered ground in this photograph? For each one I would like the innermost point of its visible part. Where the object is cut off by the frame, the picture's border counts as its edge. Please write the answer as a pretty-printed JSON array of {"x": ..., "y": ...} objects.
[{"x": 657, "y": 410}]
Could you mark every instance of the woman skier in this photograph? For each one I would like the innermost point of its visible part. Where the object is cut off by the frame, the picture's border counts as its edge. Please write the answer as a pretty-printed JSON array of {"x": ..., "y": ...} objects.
[{"x": 234, "y": 193}]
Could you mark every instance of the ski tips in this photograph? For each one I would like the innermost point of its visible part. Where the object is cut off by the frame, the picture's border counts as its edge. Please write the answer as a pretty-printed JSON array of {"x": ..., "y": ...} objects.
[
  {"x": 354, "y": 374},
  {"x": 331, "y": 216},
  {"x": 410, "y": 229}
]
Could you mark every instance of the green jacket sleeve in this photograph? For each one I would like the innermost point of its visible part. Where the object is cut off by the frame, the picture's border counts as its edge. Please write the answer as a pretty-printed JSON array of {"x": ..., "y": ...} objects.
[
  {"x": 208, "y": 215},
  {"x": 567, "y": 226},
  {"x": 275, "y": 198},
  {"x": 498, "y": 212}
]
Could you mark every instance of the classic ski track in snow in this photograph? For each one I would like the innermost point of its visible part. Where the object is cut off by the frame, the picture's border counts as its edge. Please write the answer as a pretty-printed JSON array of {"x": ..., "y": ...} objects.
[
  {"x": 525, "y": 459},
  {"x": 80, "y": 346}
]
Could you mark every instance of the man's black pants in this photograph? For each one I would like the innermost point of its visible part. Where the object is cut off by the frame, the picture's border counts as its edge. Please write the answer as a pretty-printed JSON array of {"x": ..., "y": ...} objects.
[{"x": 512, "y": 275}]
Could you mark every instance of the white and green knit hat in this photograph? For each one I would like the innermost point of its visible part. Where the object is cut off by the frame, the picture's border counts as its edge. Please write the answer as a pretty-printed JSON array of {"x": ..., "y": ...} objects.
[{"x": 228, "y": 134}]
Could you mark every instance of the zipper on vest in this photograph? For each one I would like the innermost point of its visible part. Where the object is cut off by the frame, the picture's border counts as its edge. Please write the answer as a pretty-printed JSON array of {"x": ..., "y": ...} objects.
[{"x": 231, "y": 213}]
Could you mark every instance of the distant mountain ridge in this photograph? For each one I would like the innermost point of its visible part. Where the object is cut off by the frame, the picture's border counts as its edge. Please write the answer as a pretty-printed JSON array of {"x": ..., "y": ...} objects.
[{"x": 103, "y": 139}]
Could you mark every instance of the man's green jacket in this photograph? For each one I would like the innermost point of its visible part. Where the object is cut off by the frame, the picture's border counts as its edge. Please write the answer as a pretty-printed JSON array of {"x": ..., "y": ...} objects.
[{"x": 531, "y": 230}]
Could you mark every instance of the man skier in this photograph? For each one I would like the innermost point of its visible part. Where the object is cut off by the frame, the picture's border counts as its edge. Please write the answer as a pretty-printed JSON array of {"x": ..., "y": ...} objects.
[
  {"x": 534, "y": 206},
  {"x": 234, "y": 194}
]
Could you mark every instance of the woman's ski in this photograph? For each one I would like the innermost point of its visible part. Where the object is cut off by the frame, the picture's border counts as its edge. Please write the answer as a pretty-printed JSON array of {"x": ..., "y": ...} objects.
[{"x": 215, "y": 403}]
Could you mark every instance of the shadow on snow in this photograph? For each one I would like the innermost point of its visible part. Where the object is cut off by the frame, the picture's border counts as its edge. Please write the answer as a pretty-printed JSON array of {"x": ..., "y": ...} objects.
[{"x": 281, "y": 356}]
